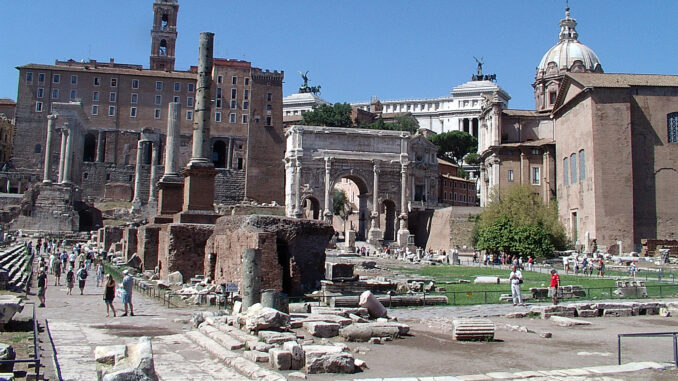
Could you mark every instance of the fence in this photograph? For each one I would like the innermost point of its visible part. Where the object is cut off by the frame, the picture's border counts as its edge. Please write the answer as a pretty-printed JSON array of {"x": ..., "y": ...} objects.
[
  {"x": 36, "y": 350},
  {"x": 169, "y": 298},
  {"x": 649, "y": 334}
]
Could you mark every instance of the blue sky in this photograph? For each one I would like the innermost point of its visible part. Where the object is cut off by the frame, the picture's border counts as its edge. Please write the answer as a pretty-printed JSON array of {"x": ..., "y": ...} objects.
[{"x": 392, "y": 49}]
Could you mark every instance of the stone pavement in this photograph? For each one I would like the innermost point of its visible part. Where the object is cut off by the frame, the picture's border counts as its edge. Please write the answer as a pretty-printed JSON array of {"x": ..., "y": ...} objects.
[{"x": 78, "y": 324}]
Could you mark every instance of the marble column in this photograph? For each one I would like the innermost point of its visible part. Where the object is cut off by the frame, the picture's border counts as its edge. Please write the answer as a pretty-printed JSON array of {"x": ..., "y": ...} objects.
[
  {"x": 328, "y": 191},
  {"x": 153, "y": 185},
  {"x": 48, "y": 148},
  {"x": 136, "y": 201},
  {"x": 523, "y": 161},
  {"x": 375, "y": 235},
  {"x": 297, "y": 185},
  {"x": 172, "y": 143},
  {"x": 68, "y": 160},
  {"x": 229, "y": 159},
  {"x": 171, "y": 185},
  {"x": 201, "y": 128},
  {"x": 403, "y": 233},
  {"x": 101, "y": 147},
  {"x": 546, "y": 177},
  {"x": 62, "y": 154}
]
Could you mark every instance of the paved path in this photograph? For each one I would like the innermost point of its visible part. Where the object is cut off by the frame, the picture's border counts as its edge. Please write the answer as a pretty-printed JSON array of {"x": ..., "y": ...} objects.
[{"x": 78, "y": 324}]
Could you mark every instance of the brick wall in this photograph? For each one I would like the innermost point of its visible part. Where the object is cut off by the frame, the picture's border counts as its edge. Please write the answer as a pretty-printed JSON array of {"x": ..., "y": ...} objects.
[
  {"x": 181, "y": 247},
  {"x": 147, "y": 246}
]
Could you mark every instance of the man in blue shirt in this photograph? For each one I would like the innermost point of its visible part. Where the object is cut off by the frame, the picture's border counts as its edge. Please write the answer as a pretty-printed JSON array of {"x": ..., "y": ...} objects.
[{"x": 126, "y": 286}]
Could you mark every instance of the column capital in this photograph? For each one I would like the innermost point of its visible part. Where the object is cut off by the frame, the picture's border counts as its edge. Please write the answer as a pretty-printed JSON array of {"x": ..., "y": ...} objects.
[{"x": 52, "y": 117}]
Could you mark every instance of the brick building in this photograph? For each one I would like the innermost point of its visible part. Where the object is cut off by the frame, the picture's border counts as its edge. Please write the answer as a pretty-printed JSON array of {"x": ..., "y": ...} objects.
[
  {"x": 121, "y": 103},
  {"x": 455, "y": 190},
  {"x": 7, "y": 108}
]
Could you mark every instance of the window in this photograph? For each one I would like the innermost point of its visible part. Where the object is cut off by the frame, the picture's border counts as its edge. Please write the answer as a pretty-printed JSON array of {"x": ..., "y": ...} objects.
[
  {"x": 74, "y": 80},
  {"x": 95, "y": 110},
  {"x": 38, "y": 106},
  {"x": 269, "y": 96},
  {"x": 573, "y": 168},
  {"x": 233, "y": 105},
  {"x": 74, "y": 94},
  {"x": 218, "y": 92},
  {"x": 218, "y": 103},
  {"x": 552, "y": 97},
  {"x": 112, "y": 96},
  {"x": 176, "y": 99},
  {"x": 55, "y": 94},
  {"x": 177, "y": 86},
  {"x": 189, "y": 102},
  {"x": 672, "y": 127},
  {"x": 190, "y": 87},
  {"x": 268, "y": 120},
  {"x": 566, "y": 172},
  {"x": 234, "y": 80},
  {"x": 133, "y": 112},
  {"x": 37, "y": 148},
  {"x": 56, "y": 78},
  {"x": 158, "y": 85},
  {"x": 269, "y": 108},
  {"x": 220, "y": 79},
  {"x": 189, "y": 115},
  {"x": 41, "y": 78},
  {"x": 95, "y": 96},
  {"x": 135, "y": 83},
  {"x": 114, "y": 82},
  {"x": 158, "y": 99},
  {"x": 234, "y": 92},
  {"x": 217, "y": 117},
  {"x": 156, "y": 114},
  {"x": 247, "y": 94},
  {"x": 244, "y": 118},
  {"x": 97, "y": 81},
  {"x": 245, "y": 105},
  {"x": 41, "y": 92},
  {"x": 582, "y": 165},
  {"x": 231, "y": 118},
  {"x": 535, "y": 176},
  {"x": 247, "y": 81},
  {"x": 111, "y": 110},
  {"x": 134, "y": 98}
]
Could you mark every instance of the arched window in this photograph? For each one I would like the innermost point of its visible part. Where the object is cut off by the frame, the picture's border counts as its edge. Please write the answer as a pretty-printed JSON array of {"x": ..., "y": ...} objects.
[
  {"x": 163, "y": 48},
  {"x": 582, "y": 165},
  {"x": 37, "y": 148},
  {"x": 90, "y": 148},
  {"x": 573, "y": 168},
  {"x": 164, "y": 22},
  {"x": 219, "y": 154},
  {"x": 672, "y": 127}
]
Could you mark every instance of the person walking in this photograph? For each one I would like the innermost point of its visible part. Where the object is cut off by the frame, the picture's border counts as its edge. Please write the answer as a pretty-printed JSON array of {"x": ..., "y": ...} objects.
[
  {"x": 42, "y": 286},
  {"x": 127, "y": 285},
  {"x": 530, "y": 263},
  {"x": 70, "y": 280},
  {"x": 100, "y": 274},
  {"x": 516, "y": 279},
  {"x": 57, "y": 272},
  {"x": 109, "y": 294},
  {"x": 82, "y": 276},
  {"x": 553, "y": 287}
]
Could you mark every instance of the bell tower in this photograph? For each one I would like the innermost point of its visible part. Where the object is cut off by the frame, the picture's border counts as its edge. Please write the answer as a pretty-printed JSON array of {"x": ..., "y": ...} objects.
[{"x": 164, "y": 34}]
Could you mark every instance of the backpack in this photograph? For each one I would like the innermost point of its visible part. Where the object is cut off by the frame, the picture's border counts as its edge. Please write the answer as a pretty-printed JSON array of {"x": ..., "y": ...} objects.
[
  {"x": 82, "y": 274},
  {"x": 69, "y": 276}
]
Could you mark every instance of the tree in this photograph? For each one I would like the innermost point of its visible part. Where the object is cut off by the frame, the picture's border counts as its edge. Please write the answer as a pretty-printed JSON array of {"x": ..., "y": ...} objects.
[
  {"x": 340, "y": 205},
  {"x": 402, "y": 123},
  {"x": 455, "y": 144},
  {"x": 516, "y": 221},
  {"x": 337, "y": 115},
  {"x": 472, "y": 158}
]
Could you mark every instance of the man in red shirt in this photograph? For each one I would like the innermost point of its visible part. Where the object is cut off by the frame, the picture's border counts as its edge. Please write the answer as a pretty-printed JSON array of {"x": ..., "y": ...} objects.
[{"x": 553, "y": 288}]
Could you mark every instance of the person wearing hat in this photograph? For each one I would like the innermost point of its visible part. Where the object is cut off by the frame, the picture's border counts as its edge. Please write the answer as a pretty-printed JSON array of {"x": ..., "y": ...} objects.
[
  {"x": 126, "y": 286},
  {"x": 553, "y": 288}
]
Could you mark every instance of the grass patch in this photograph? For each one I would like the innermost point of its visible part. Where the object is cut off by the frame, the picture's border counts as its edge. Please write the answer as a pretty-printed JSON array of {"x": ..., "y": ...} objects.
[
  {"x": 106, "y": 205},
  {"x": 113, "y": 222}
]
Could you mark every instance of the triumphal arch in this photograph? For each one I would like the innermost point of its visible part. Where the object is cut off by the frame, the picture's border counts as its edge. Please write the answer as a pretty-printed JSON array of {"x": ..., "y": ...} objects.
[{"x": 316, "y": 158}]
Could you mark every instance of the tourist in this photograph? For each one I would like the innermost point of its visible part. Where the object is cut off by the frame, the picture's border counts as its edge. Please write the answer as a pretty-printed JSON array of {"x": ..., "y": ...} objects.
[
  {"x": 109, "y": 294},
  {"x": 516, "y": 278},
  {"x": 57, "y": 272},
  {"x": 82, "y": 276},
  {"x": 42, "y": 286},
  {"x": 126, "y": 286},
  {"x": 601, "y": 268},
  {"x": 584, "y": 265},
  {"x": 64, "y": 260},
  {"x": 553, "y": 287},
  {"x": 70, "y": 280},
  {"x": 100, "y": 274},
  {"x": 71, "y": 259},
  {"x": 51, "y": 263},
  {"x": 566, "y": 264},
  {"x": 633, "y": 270},
  {"x": 530, "y": 263}
]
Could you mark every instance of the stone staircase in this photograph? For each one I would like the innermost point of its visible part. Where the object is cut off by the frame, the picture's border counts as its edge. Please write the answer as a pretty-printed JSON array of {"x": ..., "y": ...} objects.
[
  {"x": 233, "y": 347},
  {"x": 13, "y": 260}
]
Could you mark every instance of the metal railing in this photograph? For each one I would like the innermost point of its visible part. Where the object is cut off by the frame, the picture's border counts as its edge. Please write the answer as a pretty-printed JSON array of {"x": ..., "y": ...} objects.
[
  {"x": 649, "y": 334},
  {"x": 167, "y": 296},
  {"x": 36, "y": 349}
]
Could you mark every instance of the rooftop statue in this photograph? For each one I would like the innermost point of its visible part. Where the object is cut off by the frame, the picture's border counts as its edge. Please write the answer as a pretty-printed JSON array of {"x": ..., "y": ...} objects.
[{"x": 305, "y": 88}]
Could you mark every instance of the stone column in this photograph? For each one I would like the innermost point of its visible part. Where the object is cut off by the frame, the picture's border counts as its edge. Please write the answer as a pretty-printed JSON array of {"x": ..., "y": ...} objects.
[
  {"x": 546, "y": 177},
  {"x": 101, "y": 147},
  {"x": 250, "y": 288},
  {"x": 229, "y": 158},
  {"x": 153, "y": 185},
  {"x": 136, "y": 201},
  {"x": 523, "y": 160},
  {"x": 203, "y": 107},
  {"x": 375, "y": 235},
  {"x": 68, "y": 161},
  {"x": 403, "y": 233},
  {"x": 328, "y": 191},
  {"x": 62, "y": 154},
  {"x": 297, "y": 185},
  {"x": 170, "y": 193},
  {"x": 48, "y": 148}
]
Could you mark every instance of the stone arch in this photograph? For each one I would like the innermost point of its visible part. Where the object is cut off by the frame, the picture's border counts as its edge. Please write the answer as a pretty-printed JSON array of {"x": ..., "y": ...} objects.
[
  {"x": 388, "y": 209},
  {"x": 311, "y": 208},
  {"x": 360, "y": 220},
  {"x": 89, "y": 151},
  {"x": 219, "y": 154}
]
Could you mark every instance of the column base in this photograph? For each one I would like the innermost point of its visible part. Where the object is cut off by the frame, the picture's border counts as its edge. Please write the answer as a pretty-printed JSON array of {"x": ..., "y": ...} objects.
[
  {"x": 349, "y": 239},
  {"x": 403, "y": 237},
  {"x": 375, "y": 236},
  {"x": 196, "y": 217},
  {"x": 170, "y": 196}
]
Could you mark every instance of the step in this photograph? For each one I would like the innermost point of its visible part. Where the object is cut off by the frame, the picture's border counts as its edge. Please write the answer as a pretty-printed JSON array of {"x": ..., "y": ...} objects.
[
  {"x": 225, "y": 340},
  {"x": 237, "y": 334}
]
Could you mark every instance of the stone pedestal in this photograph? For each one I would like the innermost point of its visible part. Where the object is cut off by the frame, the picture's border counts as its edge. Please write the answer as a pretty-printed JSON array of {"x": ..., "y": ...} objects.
[
  {"x": 349, "y": 239},
  {"x": 375, "y": 236},
  {"x": 170, "y": 196},
  {"x": 403, "y": 237},
  {"x": 198, "y": 206}
]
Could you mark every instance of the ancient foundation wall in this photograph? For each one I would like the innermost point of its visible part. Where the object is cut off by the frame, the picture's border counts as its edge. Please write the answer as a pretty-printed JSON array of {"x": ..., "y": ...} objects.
[
  {"x": 129, "y": 242},
  {"x": 181, "y": 247},
  {"x": 111, "y": 235},
  {"x": 147, "y": 246}
]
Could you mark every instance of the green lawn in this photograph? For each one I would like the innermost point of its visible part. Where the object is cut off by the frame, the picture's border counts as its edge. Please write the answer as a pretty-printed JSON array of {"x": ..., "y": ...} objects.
[{"x": 470, "y": 293}]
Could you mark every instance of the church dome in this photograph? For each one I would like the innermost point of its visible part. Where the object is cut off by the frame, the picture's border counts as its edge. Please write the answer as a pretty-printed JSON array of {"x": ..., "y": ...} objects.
[{"x": 569, "y": 50}]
